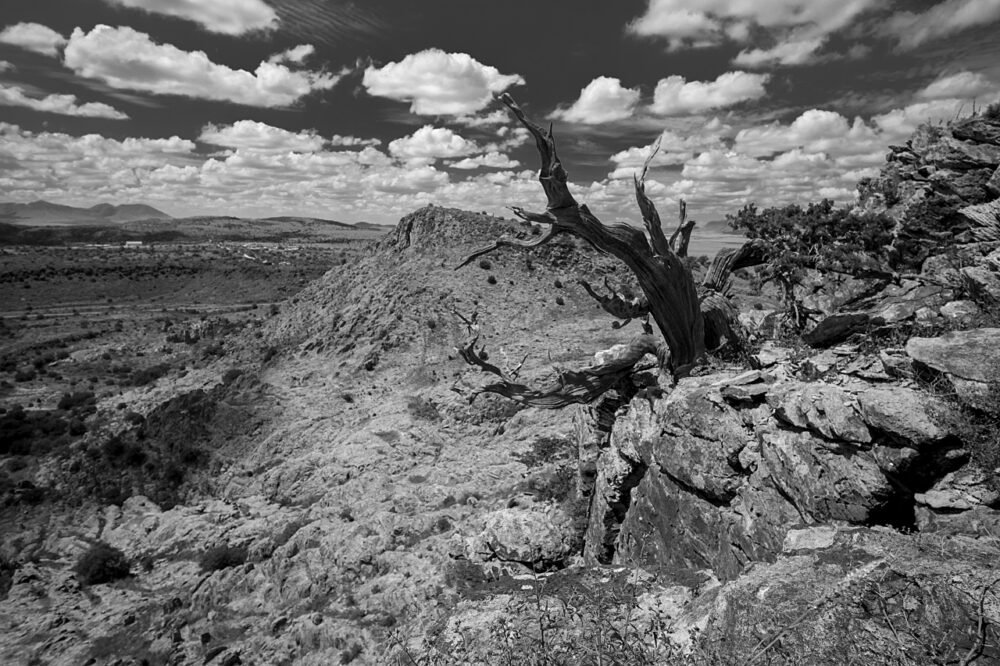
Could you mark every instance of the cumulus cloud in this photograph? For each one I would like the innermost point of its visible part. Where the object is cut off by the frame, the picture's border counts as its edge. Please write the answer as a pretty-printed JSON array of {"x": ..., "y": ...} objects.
[
  {"x": 439, "y": 83},
  {"x": 814, "y": 131},
  {"x": 603, "y": 100},
  {"x": 125, "y": 58},
  {"x": 493, "y": 160},
  {"x": 228, "y": 17},
  {"x": 675, "y": 148},
  {"x": 34, "y": 37},
  {"x": 961, "y": 84},
  {"x": 431, "y": 143},
  {"x": 946, "y": 18},
  {"x": 675, "y": 95},
  {"x": 296, "y": 54},
  {"x": 259, "y": 136},
  {"x": 498, "y": 117},
  {"x": 6, "y": 66},
  {"x": 65, "y": 105}
]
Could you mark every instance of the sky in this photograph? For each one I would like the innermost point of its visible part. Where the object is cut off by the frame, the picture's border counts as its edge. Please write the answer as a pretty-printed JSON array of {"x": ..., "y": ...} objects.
[{"x": 366, "y": 110}]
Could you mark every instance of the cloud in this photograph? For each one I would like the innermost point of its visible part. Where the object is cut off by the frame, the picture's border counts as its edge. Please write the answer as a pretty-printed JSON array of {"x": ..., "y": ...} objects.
[
  {"x": 498, "y": 117},
  {"x": 675, "y": 95},
  {"x": 429, "y": 143},
  {"x": 439, "y": 83},
  {"x": 262, "y": 137},
  {"x": 788, "y": 53},
  {"x": 6, "y": 66},
  {"x": 296, "y": 54},
  {"x": 675, "y": 149},
  {"x": 493, "y": 160},
  {"x": 797, "y": 28},
  {"x": 124, "y": 58},
  {"x": 228, "y": 17},
  {"x": 814, "y": 131},
  {"x": 943, "y": 19},
  {"x": 961, "y": 84},
  {"x": 603, "y": 100},
  {"x": 34, "y": 37},
  {"x": 65, "y": 105}
]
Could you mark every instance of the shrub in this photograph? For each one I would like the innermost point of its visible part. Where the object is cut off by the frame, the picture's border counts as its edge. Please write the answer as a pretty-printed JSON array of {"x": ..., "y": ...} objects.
[
  {"x": 222, "y": 557},
  {"x": 491, "y": 279},
  {"x": 102, "y": 563},
  {"x": 485, "y": 264},
  {"x": 992, "y": 111},
  {"x": 25, "y": 375}
]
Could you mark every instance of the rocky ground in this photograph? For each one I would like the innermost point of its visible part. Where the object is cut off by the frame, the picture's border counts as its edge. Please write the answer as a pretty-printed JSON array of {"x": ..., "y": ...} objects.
[{"x": 341, "y": 500}]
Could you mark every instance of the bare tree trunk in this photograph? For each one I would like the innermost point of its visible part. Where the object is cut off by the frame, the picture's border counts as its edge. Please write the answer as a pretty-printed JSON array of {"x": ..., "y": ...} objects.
[{"x": 664, "y": 279}]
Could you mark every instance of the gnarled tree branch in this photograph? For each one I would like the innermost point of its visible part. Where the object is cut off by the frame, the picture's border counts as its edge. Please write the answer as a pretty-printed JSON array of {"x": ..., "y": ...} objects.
[
  {"x": 616, "y": 304},
  {"x": 571, "y": 386}
]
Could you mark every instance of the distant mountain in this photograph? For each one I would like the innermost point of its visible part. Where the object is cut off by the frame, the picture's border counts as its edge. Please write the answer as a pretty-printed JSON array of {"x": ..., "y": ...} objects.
[
  {"x": 373, "y": 227},
  {"x": 718, "y": 227},
  {"x": 44, "y": 214}
]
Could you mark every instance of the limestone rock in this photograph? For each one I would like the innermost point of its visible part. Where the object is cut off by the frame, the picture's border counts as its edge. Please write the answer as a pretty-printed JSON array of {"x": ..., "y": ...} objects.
[
  {"x": 539, "y": 539},
  {"x": 912, "y": 418},
  {"x": 963, "y": 310},
  {"x": 984, "y": 282},
  {"x": 824, "y": 483},
  {"x": 822, "y": 408},
  {"x": 960, "y": 491},
  {"x": 972, "y": 354}
]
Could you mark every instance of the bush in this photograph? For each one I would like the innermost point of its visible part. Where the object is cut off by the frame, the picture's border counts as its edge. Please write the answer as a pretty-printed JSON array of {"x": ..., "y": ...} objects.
[
  {"x": 485, "y": 264},
  {"x": 25, "y": 375},
  {"x": 491, "y": 279},
  {"x": 992, "y": 111},
  {"x": 222, "y": 557},
  {"x": 103, "y": 563}
]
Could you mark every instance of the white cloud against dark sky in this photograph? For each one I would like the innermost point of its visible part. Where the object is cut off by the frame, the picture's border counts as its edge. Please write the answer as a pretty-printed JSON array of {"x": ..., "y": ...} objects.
[{"x": 364, "y": 111}]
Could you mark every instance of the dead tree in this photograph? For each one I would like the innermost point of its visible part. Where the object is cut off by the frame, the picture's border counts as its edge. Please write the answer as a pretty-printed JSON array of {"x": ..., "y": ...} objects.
[{"x": 669, "y": 293}]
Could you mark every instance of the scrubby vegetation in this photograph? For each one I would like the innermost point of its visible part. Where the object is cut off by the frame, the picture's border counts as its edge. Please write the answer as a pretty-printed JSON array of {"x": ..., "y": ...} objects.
[
  {"x": 222, "y": 557},
  {"x": 101, "y": 563}
]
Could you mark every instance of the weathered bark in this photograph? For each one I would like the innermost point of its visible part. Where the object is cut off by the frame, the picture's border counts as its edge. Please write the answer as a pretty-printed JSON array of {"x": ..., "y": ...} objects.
[
  {"x": 722, "y": 324},
  {"x": 617, "y": 305},
  {"x": 664, "y": 279},
  {"x": 571, "y": 386}
]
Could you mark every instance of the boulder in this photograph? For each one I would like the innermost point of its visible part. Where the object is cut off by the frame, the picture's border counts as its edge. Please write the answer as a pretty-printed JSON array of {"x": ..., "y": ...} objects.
[
  {"x": 972, "y": 354},
  {"x": 827, "y": 410},
  {"x": 961, "y": 490},
  {"x": 824, "y": 481},
  {"x": 963, "y": 310},
  {"x": 909, "y": 417},
  {"x": 539, "y": 539},
  {"x": 838, "y": 327},
  {"x": 969, "y": 359},
  {"x": 983, "y": 282}
]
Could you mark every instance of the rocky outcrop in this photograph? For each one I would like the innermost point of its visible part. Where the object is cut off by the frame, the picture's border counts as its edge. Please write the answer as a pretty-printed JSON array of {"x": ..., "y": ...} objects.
[
  {"x": 714, "y": 475},
  {"x": 941, "y": 188}
]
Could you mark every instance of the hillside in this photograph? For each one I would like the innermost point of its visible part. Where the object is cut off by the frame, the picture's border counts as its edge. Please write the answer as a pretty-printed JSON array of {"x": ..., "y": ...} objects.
[{"x": 324, "y": 486}]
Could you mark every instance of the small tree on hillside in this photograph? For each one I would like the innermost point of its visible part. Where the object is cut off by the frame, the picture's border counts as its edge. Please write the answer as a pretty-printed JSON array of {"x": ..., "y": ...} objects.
[
  {"x": 819, "y": 237},
  {"x": 690, "y": 319}
]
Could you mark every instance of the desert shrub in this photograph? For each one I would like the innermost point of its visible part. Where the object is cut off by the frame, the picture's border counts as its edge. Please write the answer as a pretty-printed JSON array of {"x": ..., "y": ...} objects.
[
  {"x": 102, "y": 563},
  {"x": 148, "y": 375},
  {"x": 491, "y": 279},
  {"x": 25, "y": 375},
  {"x": 76, "y": 399},
  {"x": 992, "y": 111},
  {"x": 485, "y": 264},
  {"x": 222, "y": 557},
  {"x": 560, "y": 300}
]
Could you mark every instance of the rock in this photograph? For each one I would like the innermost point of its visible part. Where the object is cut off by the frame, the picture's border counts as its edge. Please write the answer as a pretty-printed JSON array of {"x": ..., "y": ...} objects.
[
  {"x": 960, "y": 491},
  {"x": 977, "y": 521},
  {"x": 822, "y": 408},
  {"x": 983, "y": 283},
  {"x": 911, "y": 418},
  {"x": 838, "y": 327},
  {"x": 985, "y": 218},
  {"x": 953, "y": 153},
  {"x": 972, "y": 354},
  {"x": 810, "y": 538},
  {"x": 896, "y": 363},
  {"x": 538, "y": 539},
  {"x": 771, "y": 354},
  {"x": 824, "y": 481},
  {"x": 963, "y": 310},
  {"x": 993, "y": 184}
]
